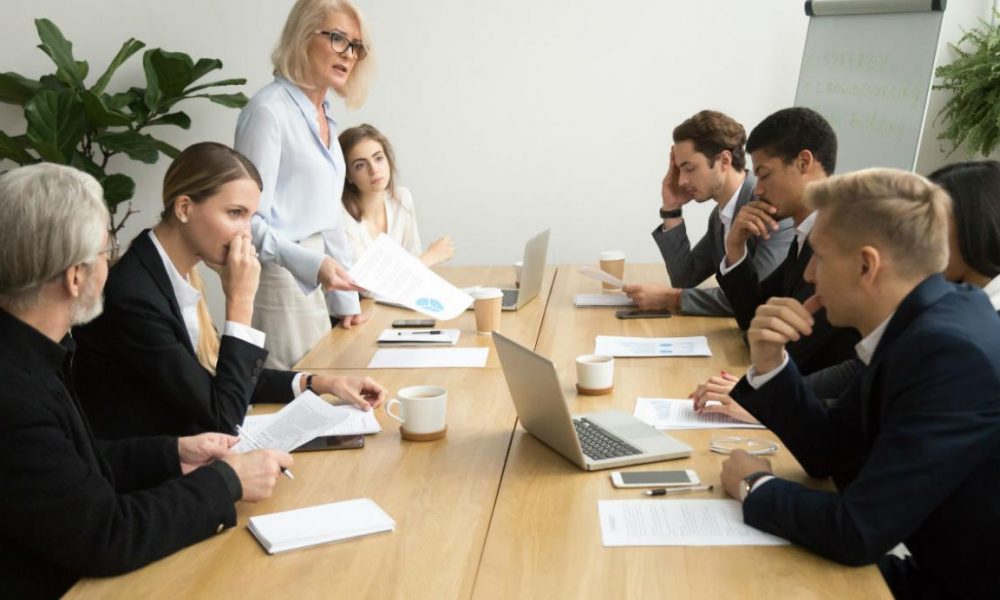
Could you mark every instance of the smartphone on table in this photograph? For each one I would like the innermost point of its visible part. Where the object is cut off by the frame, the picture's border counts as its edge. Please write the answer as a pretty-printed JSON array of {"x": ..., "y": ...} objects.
[
  {"x": 413, "y": 323},
  {"x": 640, "y": 479},
  {"x": 635, "y": 313},
  {"x": 332, "y": 442}
]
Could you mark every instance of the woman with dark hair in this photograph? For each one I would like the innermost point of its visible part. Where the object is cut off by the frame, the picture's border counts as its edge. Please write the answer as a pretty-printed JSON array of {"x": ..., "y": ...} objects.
[
  {"x": 374, "y": 204},
  {"x": 974, "y": 229},
  {"x": 153, "y": 363}
]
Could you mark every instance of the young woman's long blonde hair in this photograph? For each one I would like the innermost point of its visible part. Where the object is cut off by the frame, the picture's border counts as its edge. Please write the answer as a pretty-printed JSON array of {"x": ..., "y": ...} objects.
[{"x": 198, "y": 172}]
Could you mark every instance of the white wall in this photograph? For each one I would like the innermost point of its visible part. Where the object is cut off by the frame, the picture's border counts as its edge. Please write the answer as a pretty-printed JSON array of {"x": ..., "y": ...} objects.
[{"x": 507, "y": 117}]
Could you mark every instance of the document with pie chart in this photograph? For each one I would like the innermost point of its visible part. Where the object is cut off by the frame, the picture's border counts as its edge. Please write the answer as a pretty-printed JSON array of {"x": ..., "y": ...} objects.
[{"x": 393, "y": 274}]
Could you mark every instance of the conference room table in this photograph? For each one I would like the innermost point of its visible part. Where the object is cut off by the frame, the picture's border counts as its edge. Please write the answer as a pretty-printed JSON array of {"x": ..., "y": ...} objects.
[{"x": 489, "y": 511}]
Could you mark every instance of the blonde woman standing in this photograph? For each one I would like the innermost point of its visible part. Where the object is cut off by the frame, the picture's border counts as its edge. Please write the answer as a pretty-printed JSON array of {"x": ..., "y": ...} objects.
[
  {"x": 287, "y": 130},
  {"x": 153, "y": 363}
]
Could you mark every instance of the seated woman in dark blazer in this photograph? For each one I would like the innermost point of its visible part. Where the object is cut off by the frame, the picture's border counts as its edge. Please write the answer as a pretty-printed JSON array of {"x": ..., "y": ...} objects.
[{"x": 153, "y": 363}]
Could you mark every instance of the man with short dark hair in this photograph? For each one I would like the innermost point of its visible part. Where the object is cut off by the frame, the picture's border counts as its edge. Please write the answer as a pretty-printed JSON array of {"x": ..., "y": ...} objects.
[
  {"x": 913, "y": 442},
  {"x": 707, "y": 161},
  {"x": 790, "y": 149},
  {"x": 72, "y": 506}
]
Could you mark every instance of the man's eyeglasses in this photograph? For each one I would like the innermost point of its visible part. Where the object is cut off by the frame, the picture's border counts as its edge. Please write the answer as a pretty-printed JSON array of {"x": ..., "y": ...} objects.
[
  {"x": 339, "y": 43},
  {"x": 113, "y": 250}
]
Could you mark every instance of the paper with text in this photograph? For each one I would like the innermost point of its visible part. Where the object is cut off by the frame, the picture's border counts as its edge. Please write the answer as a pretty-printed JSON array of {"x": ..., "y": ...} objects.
[
  {"x": 356, "y": 422},
  {"x": 395, "y": 275},
  {"x": 295, "y": 424},
  {"x": 584, "y": 300},
  {"x": 609, "y": 345},
  {"x": 672, "y": 413},
  {"x": 399, "y": 358},
  {"x": 601, "y": 276},
  {"x": 678, "y": 523}
]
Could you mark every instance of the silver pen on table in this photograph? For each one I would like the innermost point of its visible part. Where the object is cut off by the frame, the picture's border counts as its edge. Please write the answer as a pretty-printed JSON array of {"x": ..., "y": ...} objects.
[{"x": 674, "y": 491}]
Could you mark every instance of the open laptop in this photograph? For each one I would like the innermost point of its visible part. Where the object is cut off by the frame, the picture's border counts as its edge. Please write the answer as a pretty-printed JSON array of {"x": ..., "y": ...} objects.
[
  {"x": 532, "y": 273},
  {"x": 592, "y": 441}
]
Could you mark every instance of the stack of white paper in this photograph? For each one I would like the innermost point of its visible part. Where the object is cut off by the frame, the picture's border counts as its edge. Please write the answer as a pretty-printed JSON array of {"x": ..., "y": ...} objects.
[
  {"x": 584, "y": 300},
  {"x": 670, "y": 413},
  {"x": 610, "y": 345},
  {"x": 295, "y": 424},
  {"x": 304, "y": 527},
  {"x": 420, "y": 337},
  {"x": 678, "y": 523},
  {"x": 356, "y": 422}
]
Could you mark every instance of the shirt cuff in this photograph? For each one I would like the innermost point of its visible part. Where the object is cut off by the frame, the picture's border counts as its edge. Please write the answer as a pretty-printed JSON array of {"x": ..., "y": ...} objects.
[
  {"x": 296, "y": 384},
  {"x": 758, "y": 380},
  {"x": 244, "y": 332},
  {"x": 724, "y": 269},
  {"x": 760, "y": 481}
]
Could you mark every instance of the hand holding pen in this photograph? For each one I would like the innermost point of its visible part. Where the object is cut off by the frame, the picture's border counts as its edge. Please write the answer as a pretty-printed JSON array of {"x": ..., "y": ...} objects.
[{"x": 255, "y": 444}]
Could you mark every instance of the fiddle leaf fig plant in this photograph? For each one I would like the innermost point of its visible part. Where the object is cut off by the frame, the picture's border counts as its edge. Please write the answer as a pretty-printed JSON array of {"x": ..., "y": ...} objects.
[
  {"x": 972, "y": 113},
  {"x": 69, "y": 123}
]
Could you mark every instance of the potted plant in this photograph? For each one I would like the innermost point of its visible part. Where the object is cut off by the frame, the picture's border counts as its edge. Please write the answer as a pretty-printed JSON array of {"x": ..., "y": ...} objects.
[
  {"x": 71, "y": 123},
  {"x": 972, "y": 112}
]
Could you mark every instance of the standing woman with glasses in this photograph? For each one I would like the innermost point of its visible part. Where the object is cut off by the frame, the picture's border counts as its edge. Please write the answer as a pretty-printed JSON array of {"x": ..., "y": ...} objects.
[
  {"x": 153, "y": 363},
  {"x": 289, "y": 134}
]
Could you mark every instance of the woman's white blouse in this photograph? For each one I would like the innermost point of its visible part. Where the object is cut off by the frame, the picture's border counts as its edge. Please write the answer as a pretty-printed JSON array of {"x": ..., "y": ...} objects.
[
  {"x": 401, "y": 225},
  {"x": 303, "y": 181}
]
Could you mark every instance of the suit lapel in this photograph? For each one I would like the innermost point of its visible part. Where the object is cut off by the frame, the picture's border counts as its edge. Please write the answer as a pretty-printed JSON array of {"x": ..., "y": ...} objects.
[{"x": 150, "y": 260}]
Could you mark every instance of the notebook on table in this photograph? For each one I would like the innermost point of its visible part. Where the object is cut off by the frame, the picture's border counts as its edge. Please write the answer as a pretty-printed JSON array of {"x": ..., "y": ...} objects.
[{"x": 304, "y": 527}]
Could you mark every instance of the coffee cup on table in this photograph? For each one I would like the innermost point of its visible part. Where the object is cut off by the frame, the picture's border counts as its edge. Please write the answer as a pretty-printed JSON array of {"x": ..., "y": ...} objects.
[
  {"x": 595, "y": 374},
  {"x": 612, "y": 263},
  {"x": 487, "y": 306},
  {"x": 422, "y": 412}
]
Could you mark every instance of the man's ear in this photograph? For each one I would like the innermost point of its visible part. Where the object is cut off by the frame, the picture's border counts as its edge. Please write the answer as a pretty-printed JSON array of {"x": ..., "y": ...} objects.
[
  {"x": 73, "y": 280},
  {"x": 870, "y": 263},
  {"x": 804, "y": 161},
  {"x": 726, "y": 157}
]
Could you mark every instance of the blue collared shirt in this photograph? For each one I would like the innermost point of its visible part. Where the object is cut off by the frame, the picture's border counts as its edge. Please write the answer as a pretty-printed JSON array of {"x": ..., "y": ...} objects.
[{"x": 303, "y": 182}]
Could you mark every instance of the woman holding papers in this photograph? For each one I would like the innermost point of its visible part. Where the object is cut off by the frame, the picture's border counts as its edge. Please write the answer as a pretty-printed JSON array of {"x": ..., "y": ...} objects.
[
  {"x": 153, "y": 363},
  {"x": 288, "y": 132},
  {"x": 374, "y": 204}
]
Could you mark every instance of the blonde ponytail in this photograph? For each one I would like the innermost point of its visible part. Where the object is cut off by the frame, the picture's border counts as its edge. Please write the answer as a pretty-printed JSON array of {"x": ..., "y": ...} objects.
[{"x": 208, "y": 336}]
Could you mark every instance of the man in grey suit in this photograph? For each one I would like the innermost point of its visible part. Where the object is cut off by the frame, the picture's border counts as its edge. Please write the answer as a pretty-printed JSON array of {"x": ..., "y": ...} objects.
[{"x": 707, "y": 162}]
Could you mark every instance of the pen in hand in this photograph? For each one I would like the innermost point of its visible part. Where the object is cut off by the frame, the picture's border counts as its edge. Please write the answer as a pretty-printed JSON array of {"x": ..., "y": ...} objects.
[
  {"x": 256, "y": 445},
  {"x": 683, "y": 490}
]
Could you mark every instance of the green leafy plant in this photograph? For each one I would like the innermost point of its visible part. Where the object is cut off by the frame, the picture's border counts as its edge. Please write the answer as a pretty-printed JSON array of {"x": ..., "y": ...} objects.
[
  {"x": 972, "y": 113},
  {"x": 69, "y": 123}
]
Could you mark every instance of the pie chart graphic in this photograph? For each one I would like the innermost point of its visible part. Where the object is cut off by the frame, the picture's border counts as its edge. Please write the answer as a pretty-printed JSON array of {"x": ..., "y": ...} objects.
[{"x": 430, "y": 305}]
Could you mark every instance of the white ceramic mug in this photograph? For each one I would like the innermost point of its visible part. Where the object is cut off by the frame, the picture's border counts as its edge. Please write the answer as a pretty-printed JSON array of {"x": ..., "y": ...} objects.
[
  {"x": 595, "y": 374},
  {"x": 422, "y": 411}
]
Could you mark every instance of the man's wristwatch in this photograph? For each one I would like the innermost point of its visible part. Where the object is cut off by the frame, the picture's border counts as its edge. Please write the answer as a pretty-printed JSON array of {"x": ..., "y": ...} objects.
[
  {"x": 747, "y": 483},
  {"x": 670, "y": 214}
]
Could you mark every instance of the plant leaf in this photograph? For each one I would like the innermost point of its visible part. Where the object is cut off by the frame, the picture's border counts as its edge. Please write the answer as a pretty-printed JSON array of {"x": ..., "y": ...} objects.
[
  {"x": 173, "y": 72},
  {"x": 138, "y": 146},
  {"x": 118, "y": 188},
  {"x": 221, "y": 82},
  {"x": 100, "y": 114},
  {"x": 127, "y": 50},
  {"x": 56, "y": 124},
  {"x": 230, "y": 100},
  {"x": 167, "y": 149},
  {"x": 179, "y": 119},
  {"x": 60, "y": 50},
  {"x": 85, "y": 164},
  {"x": 15, "y": 89},
  {"x": 204, "y": 66},
  {"x": 14, "y": 148}
]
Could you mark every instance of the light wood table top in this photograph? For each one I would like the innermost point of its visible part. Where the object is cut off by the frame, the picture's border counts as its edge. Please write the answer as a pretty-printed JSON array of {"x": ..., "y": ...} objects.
[
  {"x": 353, "y": 348},
  {"x": 440, "y": 493}
]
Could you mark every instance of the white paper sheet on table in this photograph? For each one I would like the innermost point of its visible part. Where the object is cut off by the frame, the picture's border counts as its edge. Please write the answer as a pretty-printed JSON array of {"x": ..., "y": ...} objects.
[
  {"x": 419, "y": 337},
  {"x": 609, "y": 345},
  {"x": 677, "y": 522},
  {"x": 394, "y": 275},
  {"x": 673, "y": 413},
  {"x": 296, "y": 423},
  {"x": 400, "y": 358},
  {"x": 601, "y": 276},
  {"x": 356, "y": 422},
  {"x": 583, "y": 300}
]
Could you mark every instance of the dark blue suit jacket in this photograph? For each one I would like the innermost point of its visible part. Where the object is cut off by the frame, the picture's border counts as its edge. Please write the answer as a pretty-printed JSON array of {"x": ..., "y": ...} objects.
[{"x": 913, "y": 444}]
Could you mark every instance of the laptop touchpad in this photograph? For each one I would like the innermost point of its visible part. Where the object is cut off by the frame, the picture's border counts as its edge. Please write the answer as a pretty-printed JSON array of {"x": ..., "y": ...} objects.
[{"x": 636, "y": 431}]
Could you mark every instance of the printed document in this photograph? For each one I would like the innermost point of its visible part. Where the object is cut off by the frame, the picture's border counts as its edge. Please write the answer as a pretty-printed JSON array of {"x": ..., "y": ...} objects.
[
  {"x": 671, "y": 413},
  {"x": 395, "y": 275},
  {"x": 295, "y": 424},
  {"x": 609, "y": 345},
  {"x": 356, "y": 422},
  {"x": 601, "y": 276},
  {"x": 584, "y": 300},
  {"x": 399, "y": 358},
  {"x": 678, "y": 523}
]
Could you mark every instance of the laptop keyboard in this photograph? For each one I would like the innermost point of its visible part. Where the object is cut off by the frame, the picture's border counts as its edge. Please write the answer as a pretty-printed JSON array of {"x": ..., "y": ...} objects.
[
  {"x": 598, "y": 444},
  {"x": 509, "y": 297}
]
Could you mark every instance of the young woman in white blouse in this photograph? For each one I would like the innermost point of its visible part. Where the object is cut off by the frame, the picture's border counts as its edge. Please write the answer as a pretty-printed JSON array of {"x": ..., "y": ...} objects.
[
  {"x": 374, "y": 204},
  {"x": 289, "y": 133}
]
